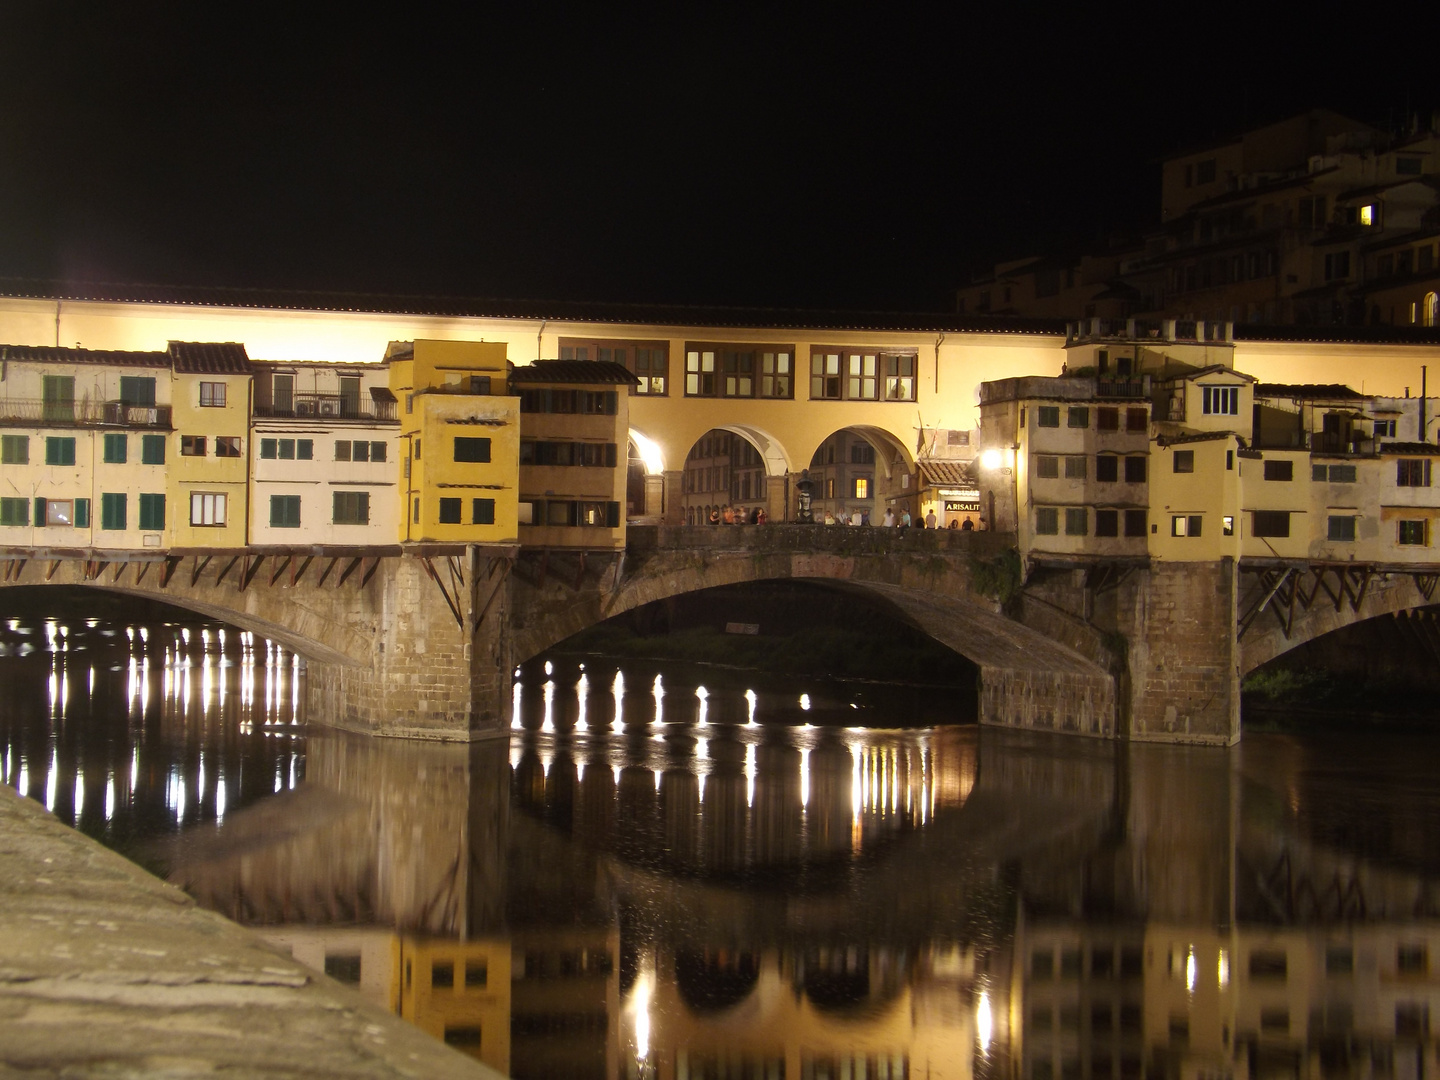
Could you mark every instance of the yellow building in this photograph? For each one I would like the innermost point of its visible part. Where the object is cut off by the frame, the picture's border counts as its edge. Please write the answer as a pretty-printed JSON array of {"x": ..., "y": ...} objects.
[
  {"x": 460, "y": 441},
  {"x": 207, "y": 470},
  {"x": 458, "y": 991}
]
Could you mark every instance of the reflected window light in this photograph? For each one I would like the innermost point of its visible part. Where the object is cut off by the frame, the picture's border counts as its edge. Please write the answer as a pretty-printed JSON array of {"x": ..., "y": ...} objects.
[
  {"x": 580, "y": 772},
  {"x": 549, "y": 668},
  {"x": 1190, "y": 970},
  {"x": 704, "y": 696},
  {"x": 582, "y": 695},
  {"x": 109, "y": 796},
  {"x": 546, "y": 760},
  {"x": 750, "y": 771},
  {"x": 134, "y": 768},
  {"x": 658, "y": 690},
  {"x": 219, "y": 800},
  {"x": 293, "y": 758},
  {"x": 618, "y": 690},
  {"x": 805, "y": 777},
  {"x": 616, "y": 771},
  {"x": 79, "y": 795},
  {"x": 1222, "y": 973},
  {"x": 295, "y": 688},
  {"x": 984, "y": 1022},
  {"x": 641, "y": 1006},
  {"x": 51, "y": 780},
  {"x": 805, "y": 702},
  {"x": 517, "y": 754},
  {"x": 91, "y": 691},
  {"x": 658, "y": 775},
  {"x": 279, "y": 778},
  {"x": 23, "y": 784},
  {"x": 200, "y": 778},
  {"x": 515, "y": 691},
  {"x": 549, "y": 692},
  {"x": 179, "y": 797},
  {"x": 750, "y": 700}
]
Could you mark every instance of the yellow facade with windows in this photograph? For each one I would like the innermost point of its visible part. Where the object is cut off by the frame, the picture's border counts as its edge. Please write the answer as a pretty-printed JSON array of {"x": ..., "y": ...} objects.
[
  {"x": 459, "y": 442},
  {"x": 206, "y": 462}
]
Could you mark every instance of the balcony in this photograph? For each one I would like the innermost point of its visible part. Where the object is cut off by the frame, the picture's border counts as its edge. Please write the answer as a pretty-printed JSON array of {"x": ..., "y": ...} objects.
[
  {"x": 84, "y": 413},
  {"x": 328, "y": 407}
]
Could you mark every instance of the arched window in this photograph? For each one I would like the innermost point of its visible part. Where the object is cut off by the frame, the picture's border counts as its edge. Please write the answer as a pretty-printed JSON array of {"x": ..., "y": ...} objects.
[{"x": 1430, "y": 310}]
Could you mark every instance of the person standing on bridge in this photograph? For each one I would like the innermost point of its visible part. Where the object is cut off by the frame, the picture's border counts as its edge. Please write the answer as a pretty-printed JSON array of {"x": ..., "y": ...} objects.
[
  {"x": 889, "y": 519},
  {"x": 930, "y": 519},
  {"x": 905, "y": 516}
]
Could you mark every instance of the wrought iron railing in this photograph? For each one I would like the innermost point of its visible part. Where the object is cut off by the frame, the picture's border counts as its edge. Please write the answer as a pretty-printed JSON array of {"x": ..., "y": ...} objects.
[
  {"x": 327, "y": 406},
  {"x": 84, "y": 413}
]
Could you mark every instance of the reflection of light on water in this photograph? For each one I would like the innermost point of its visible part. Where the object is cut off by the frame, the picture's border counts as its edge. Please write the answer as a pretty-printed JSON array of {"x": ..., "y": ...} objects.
[
  {"x": 109, "y": 796},
  {"x": 750, "y": 775},
  {"x": 702, "y": 753},
  {"x": 659, "y": 693},
  {"x": 805, "y": 702},
  {"x": 1222, "y": 973},
  {"x": 295, "y": 690},
  {"x": 805, "y": 776},
  {"x": 580, "y": 772},
  {"x": 1190, "y": 970},
  {"x": 984, "y": 1022},
  {"x": 616, "y": 771},
  {"x": 750, "y": 700},
  {"x": 50, "y": 780},
  {"x": 219, "y": 800},
  {"x": 79, "y": 795},
  {"x": 546, "y": 760},
  {"x": 658, "y": 774},
  {"x": 582, "y": 695},
  {"x": 618, "y": 689},
  {"x": 549, "y": 692},
  {"x": 23, "y": 785},
  {"x": 515, "y": 704},
  {"x": 549, "y": 668},
  {"x": 704, "y": 696},
  {"x": 640, "y": 1004}
]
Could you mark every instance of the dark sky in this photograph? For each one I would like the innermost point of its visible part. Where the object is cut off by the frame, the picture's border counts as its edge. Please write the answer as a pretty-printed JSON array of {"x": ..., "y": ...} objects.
[{"x": 820, "y": 158}]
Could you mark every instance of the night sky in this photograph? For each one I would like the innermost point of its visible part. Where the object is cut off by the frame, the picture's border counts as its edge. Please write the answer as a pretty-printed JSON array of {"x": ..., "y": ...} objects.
[{"x": 818, "y": 158}]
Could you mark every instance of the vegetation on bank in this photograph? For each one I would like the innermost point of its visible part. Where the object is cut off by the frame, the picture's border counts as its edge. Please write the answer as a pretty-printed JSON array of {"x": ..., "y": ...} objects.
[
  {"x": 1274, "y": 692},
  {"x": 829, "y": 651}
]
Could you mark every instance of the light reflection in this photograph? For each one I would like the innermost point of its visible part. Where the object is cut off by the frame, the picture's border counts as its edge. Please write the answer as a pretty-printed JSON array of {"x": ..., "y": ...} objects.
[
  {"x": 23, "y": 785},
  {"x": 658, "y": 690},
  {"x": 805, "y": 702},
  {"x": 618, "y": 690},
  {"x": 549, "y": 692},
  {"x": 1222, "y": 973},
  {"x": 219, "y": 800},
  {"x": 750, "y": 700},
  {"x": 750, "y": 771},
  {"x": 515, "y": 690},
  {"x": 51, "y": 780},
  {"x": 644, "y": 986},
  {"x": 984, "y": 1022},
  {"x": 1190, "y": 970},
  {"x": 109, "y": 797},
  {"x": 805, "y": 777},
  {"x": 79, "y": 795},
  {"x": 582, "y": 694},
  {"x": 704, "y": 696}
]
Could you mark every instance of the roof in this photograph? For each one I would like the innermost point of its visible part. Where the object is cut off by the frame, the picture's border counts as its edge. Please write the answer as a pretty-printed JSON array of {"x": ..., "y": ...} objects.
[
  {"x": 1194, "y": 437},
  {"x": 1309, "y": 391},
  {"x": 1410, "y": 448},
  {"x": 529, "y": 310},
  {"x": 210, "y": 358},
  {"x": 573, "y": 371},
  {"x": 1349, "y": 335},
  {"x": 945, "y": 473},
  {"x": 51, "y": 354}
]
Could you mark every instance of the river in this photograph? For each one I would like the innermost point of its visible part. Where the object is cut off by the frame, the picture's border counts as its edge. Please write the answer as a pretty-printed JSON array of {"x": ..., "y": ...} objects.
[{"x": 686, "y": 872}]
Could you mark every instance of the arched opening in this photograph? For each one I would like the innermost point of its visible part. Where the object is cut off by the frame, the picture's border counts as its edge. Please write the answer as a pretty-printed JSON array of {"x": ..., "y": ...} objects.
[
  {"x": 1430, "y": 309},
  {"x": 712, "y": 980},
  {"x": 860, "y": 473},
  {"x": 644, "y": 478},
  {"x": 734, "y": 476}
]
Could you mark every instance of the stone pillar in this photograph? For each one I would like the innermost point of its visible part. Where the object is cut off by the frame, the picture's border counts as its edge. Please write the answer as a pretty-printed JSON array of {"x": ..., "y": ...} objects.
[
  {"x": 654, "y": 495},
  {"x": 674, "y": 486},
  {"x": 1183, "y": 660},
  {"x": 432, "y": 675}
]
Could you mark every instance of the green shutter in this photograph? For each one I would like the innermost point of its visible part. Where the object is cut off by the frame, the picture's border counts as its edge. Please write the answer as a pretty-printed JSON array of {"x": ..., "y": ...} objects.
[
  {"x": 152, "y": 512},
  {"x": 82, "y": 513},
  {"x": 152, "y": 449},
  {"x": 112, "y": 510},
  {"x": 39, "y": 512}
]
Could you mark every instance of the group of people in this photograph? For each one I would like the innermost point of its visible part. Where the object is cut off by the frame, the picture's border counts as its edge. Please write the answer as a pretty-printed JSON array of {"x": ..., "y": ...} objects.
[
  {"x": 902, "y": 520},
  {"x": 737, "y": 515}
]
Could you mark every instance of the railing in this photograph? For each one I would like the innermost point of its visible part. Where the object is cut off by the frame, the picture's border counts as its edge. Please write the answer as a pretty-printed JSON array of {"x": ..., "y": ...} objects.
[
  {"x": 84, "y": 413},
  {"x": 1123, "y": 388},
  {"x": 327, "y": 406}
]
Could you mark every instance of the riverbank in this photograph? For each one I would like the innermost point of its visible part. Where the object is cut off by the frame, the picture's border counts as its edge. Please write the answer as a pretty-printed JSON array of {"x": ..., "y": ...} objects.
[{"x": 107, "y": 971}]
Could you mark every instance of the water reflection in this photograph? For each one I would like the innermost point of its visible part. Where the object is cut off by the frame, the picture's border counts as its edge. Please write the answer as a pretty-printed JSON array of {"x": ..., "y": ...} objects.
[{"x": 646, "y": 895}]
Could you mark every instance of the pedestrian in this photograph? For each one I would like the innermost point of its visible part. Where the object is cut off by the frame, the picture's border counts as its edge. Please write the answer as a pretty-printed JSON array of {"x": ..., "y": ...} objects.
[
  {"x": 714, "y": 516},
  {"x": 760, "y": 517},
  {"x": 889, "y": 519},
  {"x": 969, "y": 526},
  {"x": 728, "y": 515},
  {"x": 855, "y": 518},
  {"x": 953, "y": 524},
  {"x": 930, "y": 519},
  {"x": 865, "y": 517},
  {"x": 829, "y": 517},
  {"x": 905, "y": 517}
]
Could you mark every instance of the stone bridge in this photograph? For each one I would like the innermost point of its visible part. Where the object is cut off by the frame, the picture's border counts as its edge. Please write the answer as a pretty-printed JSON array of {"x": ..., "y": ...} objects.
[{"x": 421, "y": 641}]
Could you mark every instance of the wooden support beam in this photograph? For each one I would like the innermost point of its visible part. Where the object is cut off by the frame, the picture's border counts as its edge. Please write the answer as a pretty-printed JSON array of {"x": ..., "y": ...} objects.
[
  {"x": 248, "y": 569},
  {"x": 369, "y": 573},
  {"x": 326, "y": 572},
  {"x": 1270, "y": 580},
  {"x": 429, "y": 566},
  {"x": 280, "y": 568},
  {"x": 119, "y": 569},
  {"x": 54, "y": 566},
  {"x": 345, "y": 574},
  {"x": 197, "y": 567},
  {"x": 141, "y": 570},
  {"x": 298, "y": 571},
  {"x": 171, "y": 563},
  {"x": 505, "y": 566},
  {"x": 226, "y": 569}
]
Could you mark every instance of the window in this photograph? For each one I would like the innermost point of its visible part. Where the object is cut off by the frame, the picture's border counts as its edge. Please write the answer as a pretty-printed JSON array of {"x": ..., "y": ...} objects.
[
  {"x": 1220, "y": 400},
  {"x": 1411, "y": 533},
  {"x": 860, "y": 487},
  {"x": 192, "y": 445},
  {"x": 152, "y": 449},
  {"x": 700, "y": 372},
  {"x": 479, "y": 384},
  {"x": 449, "y": 511},
  {"x": 1336, "y": 474},
  {"x": 14, "y": 511},
  {"x": 1047, "y": 416},
  {"x": 1412, "y": 472},
  {"x": 1341, "y": 527},
  {"x": 56, "y": 511},
  {"x": 116, "y": 449},
  {"x": 482, "y": 511},
  {"x": 1385, "y": 429},
  {"x": 212, "y": 395},
  {"x": 1274, "y": 523},
  {"x": 825, "y": 376},
  {"x": 137, "y": 390},
  {"x": 1339, "y": 960},
  {"x": 442, "y": 974},
  {"x": 1107, "y": 468},
  {"x": 1205, "y": 171},
  {"x": 112, "y": 511},
  {"x": 284, "y": 511},
  {"x": 588, "y": 402},
  {"x": 1135, "y": 470},
  {"x": 1047, "y": 466},
  {"x": 1412, "y": 1019},
  {"x": 290, "y": 449},
  {"x": 359, "y": 450},
  {"x": 343, "y": 968},
  {"x": 59, "y": 398},
  {"x": 862, "y": 453},
  {"x": 351, "y": 508},
  {"x": 1185, "y": 525},
  {"x": 227, "y": 446},
  {"x": 152, "y": 512},
  {"x": 1280, "y": 470},
  {"x": 467, "y": 1035},
  {"x": 1107, "y": 523},
  {"x": 471, "y": 449},
  {"x": 282, "y": 397},
  {"x": 82, "y": 513},
  {"x": 477, "y": 973},
  {"x": 649, "y": 361},
  {"x": 1077, "y": 416},
  {"x": 1134, "y": 522},
  {"x": 1047, "y": 520},
  {"x": 1074, "y": 468},
  {"x": 1337, "y": 266},
  {"x": 1183, "y": 461},
  {"x": 59, "y": 450},
  {"x": 1412, "y": 959},
  {"x": 860, "y": 376},
  {"x": 268, "y": 448},
  {"x": 207, "y": 508},
  {"x": 1107, "y": 419},
  {"x": 1137, "y": 419},
  {"x": 1407, "y": 166},
  {"x": 15, "y": 449},
  {"x": 899, "y": 376}
]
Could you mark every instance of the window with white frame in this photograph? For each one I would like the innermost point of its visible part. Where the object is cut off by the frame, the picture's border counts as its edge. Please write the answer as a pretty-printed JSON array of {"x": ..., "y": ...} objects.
[
  {"x": 207, "y": 508},
  {"x": 1220, "y": 400}
]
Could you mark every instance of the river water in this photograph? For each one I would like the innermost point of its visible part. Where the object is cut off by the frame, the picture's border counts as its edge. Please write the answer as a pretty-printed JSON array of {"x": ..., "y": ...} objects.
[{"x": 683, "y": 872}]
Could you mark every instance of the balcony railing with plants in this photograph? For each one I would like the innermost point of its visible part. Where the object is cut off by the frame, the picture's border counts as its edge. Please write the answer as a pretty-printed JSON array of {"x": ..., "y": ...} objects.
[{"x": 84, "y": 413}]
